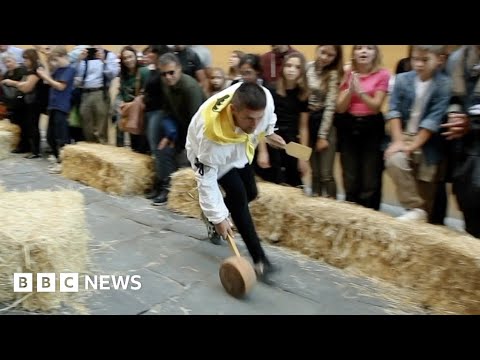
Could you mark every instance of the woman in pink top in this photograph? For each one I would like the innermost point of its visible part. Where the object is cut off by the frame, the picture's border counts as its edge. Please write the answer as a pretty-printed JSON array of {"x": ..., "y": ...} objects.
[{"x": 361, "y": 128}]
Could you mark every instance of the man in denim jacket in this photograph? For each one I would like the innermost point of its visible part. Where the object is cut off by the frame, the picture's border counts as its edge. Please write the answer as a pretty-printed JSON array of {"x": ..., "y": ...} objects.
[{"x": 414, "y": 158}]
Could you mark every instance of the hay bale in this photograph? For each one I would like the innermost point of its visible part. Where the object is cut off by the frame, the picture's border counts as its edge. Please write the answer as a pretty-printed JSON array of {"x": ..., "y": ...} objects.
[
  {"x": 115, "y": 170},
  {"x": 6, "y": 125},
  {"x": 42, "y": 231},
  {"x": 183, "y": 195},
  {"x": 441, "y": 266},
  {"x": 6, "y": 141}
]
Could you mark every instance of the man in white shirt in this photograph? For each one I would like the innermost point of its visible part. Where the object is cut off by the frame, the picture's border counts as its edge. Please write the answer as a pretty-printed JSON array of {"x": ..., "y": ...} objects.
[{"x": 221, "y": 142}]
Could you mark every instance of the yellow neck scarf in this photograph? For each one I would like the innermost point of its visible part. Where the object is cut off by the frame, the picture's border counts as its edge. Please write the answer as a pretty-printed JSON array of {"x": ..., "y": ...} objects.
[{"x": 220, "y": 127}]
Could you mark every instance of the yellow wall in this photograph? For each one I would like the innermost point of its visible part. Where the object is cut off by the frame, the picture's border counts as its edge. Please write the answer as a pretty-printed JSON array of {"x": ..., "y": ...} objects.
[{"x": 221, "y": 53}]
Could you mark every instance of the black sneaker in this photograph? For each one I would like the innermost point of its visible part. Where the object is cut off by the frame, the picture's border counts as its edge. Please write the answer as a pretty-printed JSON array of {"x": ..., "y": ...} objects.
[
  {"x": 152, "y": 194},
  {"x": 161, "y": 199},
  {"x": 213, "y": 236},
  {"x": 264, "y": 270}
]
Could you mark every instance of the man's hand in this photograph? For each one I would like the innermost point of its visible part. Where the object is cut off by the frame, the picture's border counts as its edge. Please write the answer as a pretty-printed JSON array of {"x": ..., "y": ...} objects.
[
  {"x": 457, "y": 126},
  {"x": 164, "y": 143},
  {"x": 275, "y": 141},
  {"x": 224, "y": 228}
]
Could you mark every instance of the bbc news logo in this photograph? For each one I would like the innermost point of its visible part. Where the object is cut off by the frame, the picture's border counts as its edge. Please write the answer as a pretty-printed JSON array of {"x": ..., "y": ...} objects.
[{"x": 69, "y": 282}]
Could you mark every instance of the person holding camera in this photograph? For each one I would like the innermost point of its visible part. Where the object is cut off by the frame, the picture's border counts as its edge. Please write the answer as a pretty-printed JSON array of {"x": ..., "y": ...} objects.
[{"x": 97, "y": 67}]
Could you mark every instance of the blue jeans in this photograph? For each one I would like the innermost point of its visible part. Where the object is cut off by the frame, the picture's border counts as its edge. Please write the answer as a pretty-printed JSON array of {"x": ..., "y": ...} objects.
[
  {"x": 57, "y": 131},
  {"x": 154, "y": 128},
  {"x": 165, "y": 163}
]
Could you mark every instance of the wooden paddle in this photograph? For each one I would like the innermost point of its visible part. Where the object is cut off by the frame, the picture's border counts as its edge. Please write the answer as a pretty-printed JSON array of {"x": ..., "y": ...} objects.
[{"x": 299, "y": 151}]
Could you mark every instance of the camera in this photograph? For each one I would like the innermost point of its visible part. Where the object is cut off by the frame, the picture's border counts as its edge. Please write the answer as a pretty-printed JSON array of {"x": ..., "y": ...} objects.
[{"x": 92, "y": 53}]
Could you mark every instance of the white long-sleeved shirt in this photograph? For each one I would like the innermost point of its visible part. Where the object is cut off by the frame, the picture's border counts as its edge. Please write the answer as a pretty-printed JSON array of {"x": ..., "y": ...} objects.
[{"x": 219, "y": 159}]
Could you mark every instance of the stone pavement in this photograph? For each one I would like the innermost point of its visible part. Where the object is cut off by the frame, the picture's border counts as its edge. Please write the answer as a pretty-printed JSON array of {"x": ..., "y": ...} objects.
[{"x": 179, "y": 267}]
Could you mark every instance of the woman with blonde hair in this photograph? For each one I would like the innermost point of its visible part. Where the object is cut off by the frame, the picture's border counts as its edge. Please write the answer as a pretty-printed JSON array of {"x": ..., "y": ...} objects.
[{"x": 361, "y": 129}]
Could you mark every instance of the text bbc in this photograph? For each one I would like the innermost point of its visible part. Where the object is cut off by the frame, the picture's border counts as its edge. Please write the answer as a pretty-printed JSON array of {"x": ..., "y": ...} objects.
[{"x": 69, "y": 282}]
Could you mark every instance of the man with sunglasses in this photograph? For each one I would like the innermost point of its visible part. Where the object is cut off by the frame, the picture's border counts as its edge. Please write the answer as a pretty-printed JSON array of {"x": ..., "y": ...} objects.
[{"x": 183, "y": 97}]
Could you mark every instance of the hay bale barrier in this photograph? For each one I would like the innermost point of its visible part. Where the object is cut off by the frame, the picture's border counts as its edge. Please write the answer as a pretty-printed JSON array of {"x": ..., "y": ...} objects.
[
  {"x": 41, "y": 232},
  {"x": 115, "y": 170},
  {"x": 9, "y": 137},
  {"x": 183, "y": 195},
  {"x": 439, "y": 265},
  {"x": 6, "y": 141}
]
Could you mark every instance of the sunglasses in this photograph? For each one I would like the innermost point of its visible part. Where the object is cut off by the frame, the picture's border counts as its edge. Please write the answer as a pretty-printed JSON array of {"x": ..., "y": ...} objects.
[{"x": 165, "y": 73}]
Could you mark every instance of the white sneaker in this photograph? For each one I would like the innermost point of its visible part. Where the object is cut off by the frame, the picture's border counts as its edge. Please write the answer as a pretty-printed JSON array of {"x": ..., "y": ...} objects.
[
  {"x": 52, "y": 158},
  {"x": 55, "y": 169},
  {"x": 414, "y": 215}
]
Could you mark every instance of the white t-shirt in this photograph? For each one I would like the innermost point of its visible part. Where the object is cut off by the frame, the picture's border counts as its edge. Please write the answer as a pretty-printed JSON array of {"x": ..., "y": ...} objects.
[{"x": 421, "y": 88}]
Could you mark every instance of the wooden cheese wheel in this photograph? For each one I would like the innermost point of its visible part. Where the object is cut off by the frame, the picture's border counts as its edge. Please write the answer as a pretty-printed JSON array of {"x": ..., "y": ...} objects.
[{"x": 237, "y": 276}]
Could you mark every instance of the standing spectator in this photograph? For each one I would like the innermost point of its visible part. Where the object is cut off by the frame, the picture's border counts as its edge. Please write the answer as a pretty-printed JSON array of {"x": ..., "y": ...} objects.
[
  {"x": 290, "y": 97},
  {"x": 324, "y": 76},
  {"x": 13, "y": 51},
  {"x": 272, "y": 61},
  {"x": 361, "y": 128},
  {"x": 414, "y": 159},
  {"x": 31, "y": 86},
  {"x": 191, "y": 64},
  {"x": 463, "y": 129},
  {"x": 216, "y": 81},
  {"x": 59, "y": 104},
  {"x": 96, "y": 67},
  {"x": 14, "y": 100},
  {"x": 233, "y": 67},
  {"x": 204, "y": 54},
  {"x": 132, "y": 81}
]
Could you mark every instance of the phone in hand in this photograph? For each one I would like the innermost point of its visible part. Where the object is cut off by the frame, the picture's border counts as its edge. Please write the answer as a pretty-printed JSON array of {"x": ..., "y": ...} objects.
[{"x": 92, "y": 53}]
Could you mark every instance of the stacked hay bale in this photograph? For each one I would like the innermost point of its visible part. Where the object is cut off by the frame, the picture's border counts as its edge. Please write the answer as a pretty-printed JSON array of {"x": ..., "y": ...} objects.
[
  {"x": 441, "y": 266},
  {"x": 41, "y": 232},
  {"x": 9, "y": 138},
  {"x": 183, "y": 195},
  {"x": 6, "y": 141},
  {"x": 115, "y": 170}
]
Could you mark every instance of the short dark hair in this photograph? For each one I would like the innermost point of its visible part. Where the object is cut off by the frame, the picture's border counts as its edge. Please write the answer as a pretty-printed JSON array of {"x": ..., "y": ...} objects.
[
  {"x": 250, "y": 96},
  {"x": 169, "y": 58}
]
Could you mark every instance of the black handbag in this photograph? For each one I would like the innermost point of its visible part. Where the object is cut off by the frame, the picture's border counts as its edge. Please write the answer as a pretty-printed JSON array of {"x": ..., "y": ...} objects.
[{"x": 10, "y": 92}]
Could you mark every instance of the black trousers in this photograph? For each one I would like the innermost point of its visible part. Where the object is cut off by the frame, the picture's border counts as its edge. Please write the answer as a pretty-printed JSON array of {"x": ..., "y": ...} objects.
[
  {"x": 19, "y": 117},
  {"x": 33, "y": 113},
  {"x": 283, "y": 168},
  {"x": 240, "y": 188},
  {"x": 466, "y": 187},
  {"x": 361, "y": 158}
]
